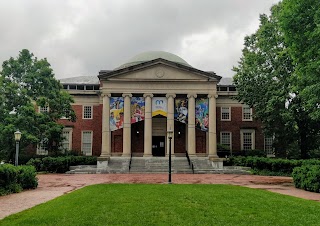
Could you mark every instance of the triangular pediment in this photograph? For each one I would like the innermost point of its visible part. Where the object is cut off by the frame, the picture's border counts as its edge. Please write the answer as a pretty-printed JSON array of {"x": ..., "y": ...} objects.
[{"x": 159, "y": 70}]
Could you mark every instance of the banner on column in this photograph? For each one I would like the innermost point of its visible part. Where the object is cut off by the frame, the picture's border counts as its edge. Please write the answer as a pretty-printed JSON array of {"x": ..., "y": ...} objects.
[
  {"x": 137, "y": 109},
  {"x": 202, "y": 114},
  {"x": 116, "y": 113},
  {"x": 159, "y": 106},
  {"x": 181, "y": 110}
]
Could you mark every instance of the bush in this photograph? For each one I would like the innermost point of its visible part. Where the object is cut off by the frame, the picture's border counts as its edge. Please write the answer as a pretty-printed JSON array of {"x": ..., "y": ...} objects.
[
  {"x": 27, "y": 177},
  {"x": 270, "y": 166},
  {"x": 60, "y": 164},
  {"x": 307, "y": 177},
  {"x": 14, "y": 179}
]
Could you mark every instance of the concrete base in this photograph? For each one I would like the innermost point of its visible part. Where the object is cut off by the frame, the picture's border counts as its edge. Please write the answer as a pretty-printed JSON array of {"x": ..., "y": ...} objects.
[
  {"x": 102, "y": 164},
  {"x": 217, "y": 163}
]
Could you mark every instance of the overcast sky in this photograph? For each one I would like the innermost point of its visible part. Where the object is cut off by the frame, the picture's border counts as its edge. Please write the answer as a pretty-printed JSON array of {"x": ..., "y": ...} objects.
[{"x": 81, "y": 37}]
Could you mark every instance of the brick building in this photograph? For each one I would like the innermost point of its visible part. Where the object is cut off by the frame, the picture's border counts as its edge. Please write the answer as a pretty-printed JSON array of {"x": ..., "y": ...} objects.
[{"x": 129, "y": 110}]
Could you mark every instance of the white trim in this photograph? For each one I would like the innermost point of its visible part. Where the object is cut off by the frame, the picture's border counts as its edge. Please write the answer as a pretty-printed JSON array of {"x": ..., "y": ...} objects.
[
  {"x": 268, "y": 153},
  {"x": 70, "y": 130},
  {"x": 83, "y": 106},
  {"x": 90, "y": 152},
  {"x": 230, "y": 138},
  {"x": 253, "y": 137},
  {"x": 243, "y": 119},
  {"x": 41, "y": 148},
  {"x": 40, "y": 111},
  {"x": 229, "y": 109}
]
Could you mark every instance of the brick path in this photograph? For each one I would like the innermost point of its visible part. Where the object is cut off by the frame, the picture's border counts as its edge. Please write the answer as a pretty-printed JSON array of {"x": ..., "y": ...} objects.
[{"x": 54, "y": 185}]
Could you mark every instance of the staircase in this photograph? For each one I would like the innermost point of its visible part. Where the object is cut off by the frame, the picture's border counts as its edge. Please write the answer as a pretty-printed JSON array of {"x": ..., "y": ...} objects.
[
  {"x": 159, "y": 165},
  {"x": 202, "y": 165}
]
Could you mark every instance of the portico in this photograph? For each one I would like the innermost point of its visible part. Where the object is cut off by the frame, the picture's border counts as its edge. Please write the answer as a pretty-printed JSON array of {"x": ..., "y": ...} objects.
[{"x": 164, "y": 79}]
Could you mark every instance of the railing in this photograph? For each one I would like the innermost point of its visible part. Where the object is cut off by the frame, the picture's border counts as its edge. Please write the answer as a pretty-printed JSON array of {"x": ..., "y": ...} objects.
[
  {"x": 190, "y": 162},
  {"x": 130, "y": 162}
]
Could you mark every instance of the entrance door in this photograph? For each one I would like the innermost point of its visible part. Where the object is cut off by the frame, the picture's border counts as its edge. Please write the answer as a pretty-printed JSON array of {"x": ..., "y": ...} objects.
[{"x": 158, "y": 146}]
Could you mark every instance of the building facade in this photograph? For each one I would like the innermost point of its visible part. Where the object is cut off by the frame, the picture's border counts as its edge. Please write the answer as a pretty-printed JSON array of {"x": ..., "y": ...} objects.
[{"x": 128, "y": 111}]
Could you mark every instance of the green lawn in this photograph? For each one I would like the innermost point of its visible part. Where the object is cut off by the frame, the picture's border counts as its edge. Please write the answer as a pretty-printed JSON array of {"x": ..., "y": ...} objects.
[{"x": 146, "y": 204}]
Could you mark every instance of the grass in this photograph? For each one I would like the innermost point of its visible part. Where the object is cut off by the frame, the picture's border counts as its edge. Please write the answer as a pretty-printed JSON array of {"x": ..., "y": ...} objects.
[{"x": 142, "y": 204}]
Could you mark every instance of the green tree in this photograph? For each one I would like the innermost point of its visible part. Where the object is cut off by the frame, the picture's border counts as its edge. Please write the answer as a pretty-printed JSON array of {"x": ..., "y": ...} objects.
[
  {"x": 265, "y": 79},
  {"x": 25, "y": 84},
  {"x": 300, "y": 23}
]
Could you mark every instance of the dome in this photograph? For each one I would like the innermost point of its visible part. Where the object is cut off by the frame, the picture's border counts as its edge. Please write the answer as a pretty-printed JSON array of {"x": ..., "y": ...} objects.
[{"x": 152, "y": 55}]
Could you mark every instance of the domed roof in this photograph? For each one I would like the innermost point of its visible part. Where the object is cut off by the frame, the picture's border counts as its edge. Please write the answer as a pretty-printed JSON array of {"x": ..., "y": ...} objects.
[{"x": 152, "y": 55}]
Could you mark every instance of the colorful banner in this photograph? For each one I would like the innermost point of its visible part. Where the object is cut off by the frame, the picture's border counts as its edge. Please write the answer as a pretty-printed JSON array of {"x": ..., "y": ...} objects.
[
  {"x": 159, "y": 106},
  {"x": 137, "y": 109},
  {"x": 116, "y": 113},
  {"x": 181, "y": 110},
  {"x": 202, "y": 114}
]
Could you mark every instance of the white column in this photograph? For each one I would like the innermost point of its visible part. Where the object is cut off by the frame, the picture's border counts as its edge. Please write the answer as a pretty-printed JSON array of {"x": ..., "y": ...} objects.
[
  {"x": 127, "y": 125},
  {"x": 106, "y": 134},
  {"x": 170, "y": 120},
  {"x": 148, "y": 125},
  {"x": 212, "y": 126},
  {"x": 191, "y": 124}
]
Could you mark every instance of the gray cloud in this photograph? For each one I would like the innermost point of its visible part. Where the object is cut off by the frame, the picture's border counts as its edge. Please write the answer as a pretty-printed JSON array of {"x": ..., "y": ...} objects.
[{"x": 81, "y": 37}]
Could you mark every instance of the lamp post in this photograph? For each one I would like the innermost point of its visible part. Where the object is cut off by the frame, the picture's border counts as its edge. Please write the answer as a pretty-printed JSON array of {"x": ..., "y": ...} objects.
[
  {"x": 170, "y": 133},
  {"x": 17, "y": 137}
]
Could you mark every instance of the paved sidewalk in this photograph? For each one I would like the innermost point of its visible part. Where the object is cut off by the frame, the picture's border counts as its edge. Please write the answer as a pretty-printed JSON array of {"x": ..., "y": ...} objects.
[{"x": 54, "y": 185}]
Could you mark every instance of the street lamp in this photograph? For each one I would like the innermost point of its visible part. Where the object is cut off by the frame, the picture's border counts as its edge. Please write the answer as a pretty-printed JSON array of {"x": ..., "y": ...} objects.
[
  {"x": 17, "y": 137},
  {"x": 169, "y": 133}
]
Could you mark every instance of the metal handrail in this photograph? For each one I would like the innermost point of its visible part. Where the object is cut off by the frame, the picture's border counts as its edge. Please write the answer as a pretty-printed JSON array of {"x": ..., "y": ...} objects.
[
  {"x": 130, "y": 162},
  {"x": 189, "y": 161}
]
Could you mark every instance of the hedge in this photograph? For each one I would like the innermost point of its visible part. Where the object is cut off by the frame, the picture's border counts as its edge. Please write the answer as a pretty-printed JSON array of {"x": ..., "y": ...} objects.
[
  {"x": 307, "y": 177},
  {"x": 14, "y": 179},
  {"x": 270, "y": 166},
  {"x": 60, "y": 164}
]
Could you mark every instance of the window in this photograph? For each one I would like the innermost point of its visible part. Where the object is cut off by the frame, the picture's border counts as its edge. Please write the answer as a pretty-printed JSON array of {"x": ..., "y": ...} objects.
[
  {"x": 86, "y": 143},
  {"x": 225, "y": 114},
  {"x": 268, "y": 142},
  {"x": 247, "y": 114},
  {"x": 87, "y": 112},
  {"x": 225, "y": 139},
  {"x": 247, "y": 140},
  {"x": 42, "y": 148},
  {"x": 44, "y": 109},
  {"x": 67, "y": 139}
]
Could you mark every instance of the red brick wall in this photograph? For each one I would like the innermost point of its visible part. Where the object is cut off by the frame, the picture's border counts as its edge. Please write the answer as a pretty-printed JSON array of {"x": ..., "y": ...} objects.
[
  {"x": 235, "y": 125},
  {"x": 94, "y": 124},
  {"x": 137, "y": 141}
]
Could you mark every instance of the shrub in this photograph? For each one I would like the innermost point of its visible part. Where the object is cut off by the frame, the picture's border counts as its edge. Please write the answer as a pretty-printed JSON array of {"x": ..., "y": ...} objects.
[
  {"x": 61, "y": 164},
  {"x": 271, "y": 166},
  {"x": 14, "y": 179},
  {"x": 307, "y": 177},
  {"x": 27, "y": 177}
]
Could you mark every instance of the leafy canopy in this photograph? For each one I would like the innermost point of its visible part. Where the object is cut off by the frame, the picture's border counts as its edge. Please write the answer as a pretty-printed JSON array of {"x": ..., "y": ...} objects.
[
  {"x": 25, "y": 83},
  {"x": 267, "y": 79}
]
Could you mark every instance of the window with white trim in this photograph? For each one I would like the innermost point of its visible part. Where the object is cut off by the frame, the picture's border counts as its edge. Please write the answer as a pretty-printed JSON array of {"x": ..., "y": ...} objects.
[
  {"x": 247, "y": 140},
  {"x": 246, "y": 113},
  {"x": 225, "y": 139},
  {"x": 86, "y": 146},
  {"x": 225, "y": 113},
  {"x": 44, "y": 109},
  {"x": 87, "y": 112},
  {"x": 42, "y": 147},
  {"x": 268, "y": 146},
  {"x": 66, "y": 143}
]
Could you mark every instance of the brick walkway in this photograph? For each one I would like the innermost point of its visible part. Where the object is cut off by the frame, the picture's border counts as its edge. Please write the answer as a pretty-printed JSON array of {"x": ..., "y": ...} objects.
[{"x": 54, "y": 185}]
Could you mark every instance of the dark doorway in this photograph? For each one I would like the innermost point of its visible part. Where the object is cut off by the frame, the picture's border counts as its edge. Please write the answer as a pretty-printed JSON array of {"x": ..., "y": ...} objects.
[{"x": 158, "y": 146}]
